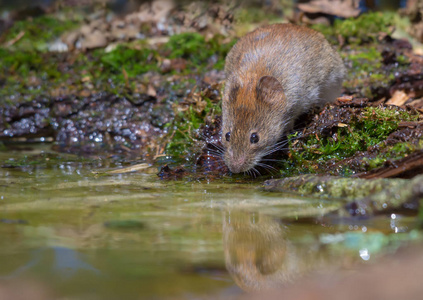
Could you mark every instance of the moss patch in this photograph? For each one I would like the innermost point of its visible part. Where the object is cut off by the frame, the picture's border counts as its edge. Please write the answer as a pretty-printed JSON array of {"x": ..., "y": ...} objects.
[
  {"x": 371, "y": 60},
  {"x": 198, "y": 52},
  {"x": 38, "y": 32},
  {"x": 189, "y": 117},
  {"x": 359, "y": 132},
  {"x": 366, "y": 28},
  {"x": 132, "y": 61},
  {"x": 119, "y": 71},
  {"x": 369, "y": 75}
]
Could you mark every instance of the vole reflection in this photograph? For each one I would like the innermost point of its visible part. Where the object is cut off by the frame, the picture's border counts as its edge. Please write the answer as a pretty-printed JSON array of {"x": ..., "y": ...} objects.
[{"x": 257, "y": 254}]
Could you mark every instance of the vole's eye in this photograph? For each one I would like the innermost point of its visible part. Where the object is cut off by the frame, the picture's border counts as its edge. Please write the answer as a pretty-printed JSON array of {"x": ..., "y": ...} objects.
[
  {"x": 228, "y": 136},
  {"x": 254, "y": 138}
]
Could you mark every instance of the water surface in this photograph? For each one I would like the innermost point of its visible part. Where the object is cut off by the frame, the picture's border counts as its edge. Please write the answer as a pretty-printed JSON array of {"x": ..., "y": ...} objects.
[{"x": 72, "y": 232}]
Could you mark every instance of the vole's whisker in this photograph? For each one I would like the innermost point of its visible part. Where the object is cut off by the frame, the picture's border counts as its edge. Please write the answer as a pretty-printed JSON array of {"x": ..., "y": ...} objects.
[
  {"x": 215, "y": 156},
  {"x": 270, "y": 159},
  {"x": 256, "y": 172},
  {"x": 274, "y": 150},
  {"x": 282, "y": 143},
  {"x": 218, "y": 147},
  {"x": 212, "y": 153},
  {"x": 285, "y": 142},
  {"x": 268, "y": 167},
  {"x": 214, "y": 147},
  {"x": 212, "y": 150}
]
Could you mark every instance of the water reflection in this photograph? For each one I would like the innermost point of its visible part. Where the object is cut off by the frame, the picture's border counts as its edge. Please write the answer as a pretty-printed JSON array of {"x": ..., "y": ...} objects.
[{"x": 258, "y": 254}]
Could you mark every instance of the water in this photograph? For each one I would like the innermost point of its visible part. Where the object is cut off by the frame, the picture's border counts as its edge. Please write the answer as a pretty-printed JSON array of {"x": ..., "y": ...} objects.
[{"x": 70, "y": 232}]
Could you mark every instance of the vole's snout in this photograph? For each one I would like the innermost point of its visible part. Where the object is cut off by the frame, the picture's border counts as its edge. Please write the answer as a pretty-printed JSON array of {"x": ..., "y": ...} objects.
[{"x": 236, "y": 164}]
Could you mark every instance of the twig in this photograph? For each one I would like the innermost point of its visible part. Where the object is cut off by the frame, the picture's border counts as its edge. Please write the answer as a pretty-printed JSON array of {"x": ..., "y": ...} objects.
[{"x": 17, "y": 38}]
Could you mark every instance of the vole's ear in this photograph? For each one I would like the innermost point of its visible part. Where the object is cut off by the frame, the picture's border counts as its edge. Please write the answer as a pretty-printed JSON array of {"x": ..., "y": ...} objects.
[{"x": 269, "y": 90}]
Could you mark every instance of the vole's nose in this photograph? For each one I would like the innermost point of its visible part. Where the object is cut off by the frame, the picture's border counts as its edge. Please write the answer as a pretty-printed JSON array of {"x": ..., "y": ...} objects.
[
  {"x": 237, "y": 164},
  {"x": 235, "y": 161},
  {"x": 240, "y": 161}
]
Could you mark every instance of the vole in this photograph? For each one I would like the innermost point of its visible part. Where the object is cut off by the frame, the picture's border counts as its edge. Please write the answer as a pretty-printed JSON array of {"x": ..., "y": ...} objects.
[{"x": 274, "y": 74}]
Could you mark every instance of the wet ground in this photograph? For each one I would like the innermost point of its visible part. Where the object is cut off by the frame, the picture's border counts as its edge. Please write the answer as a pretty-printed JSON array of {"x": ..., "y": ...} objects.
[{"x": 70, "y": 230}]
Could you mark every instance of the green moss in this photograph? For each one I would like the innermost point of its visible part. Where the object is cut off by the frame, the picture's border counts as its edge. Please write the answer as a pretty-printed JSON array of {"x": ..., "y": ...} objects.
[
  {"x": 368, "y": 75},
  {"x": 379, "y": 122},
  {"x": 21, "y": 62},
  {"x": 197, "y": 51},
  {"x": 365, "y": 68},
  {"x": 118, "y": 72},
  {"x": 188, "y": 45},
  {"x": 24, "y": 62},
  {"x": 403, "y": 60},
  {"x": 377, "y": 77},
  {"x": 38, "y": 31},
  {"x": 366, "y": 71},
  {"x": 184, "y": 128},
  {"x": 27, "y": 75},
  {"x": 255, "y": 15},
  {"x": 133, "y": 61},
  {"x": 362, "y": 29},
  {"x": 366, "y": 59},
  {"x": 371, "y": 127},
  {"x": 220, "y": 48},
  {"x": 392, "y": 153}
]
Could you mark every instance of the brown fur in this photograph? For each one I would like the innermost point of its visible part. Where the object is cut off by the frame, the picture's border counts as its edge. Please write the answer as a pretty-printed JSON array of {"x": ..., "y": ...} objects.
[{"x": 274, "y": 74}]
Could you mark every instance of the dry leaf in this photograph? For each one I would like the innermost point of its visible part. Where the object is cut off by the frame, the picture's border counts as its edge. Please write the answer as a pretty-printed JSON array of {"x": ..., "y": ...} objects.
[{"x": 398, "y": 98}]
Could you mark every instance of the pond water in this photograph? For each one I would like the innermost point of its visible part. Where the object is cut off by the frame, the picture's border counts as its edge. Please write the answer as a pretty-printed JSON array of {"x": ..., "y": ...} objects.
[{"x": 68, "y": 231}]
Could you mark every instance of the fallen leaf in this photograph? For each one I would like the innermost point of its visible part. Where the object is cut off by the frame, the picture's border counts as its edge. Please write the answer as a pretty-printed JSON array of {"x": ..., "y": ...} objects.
[
  {"x": 398, "y": 98},
  {"x": 344, "y": 9}
]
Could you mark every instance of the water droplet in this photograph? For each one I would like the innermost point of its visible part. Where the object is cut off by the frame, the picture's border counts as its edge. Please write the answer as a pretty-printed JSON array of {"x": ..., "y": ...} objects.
[{"x": 364, "y": 254}]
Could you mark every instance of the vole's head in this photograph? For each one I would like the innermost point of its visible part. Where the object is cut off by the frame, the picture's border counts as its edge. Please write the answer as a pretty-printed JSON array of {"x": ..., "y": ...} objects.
[{"x": 254, "y": 117}]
